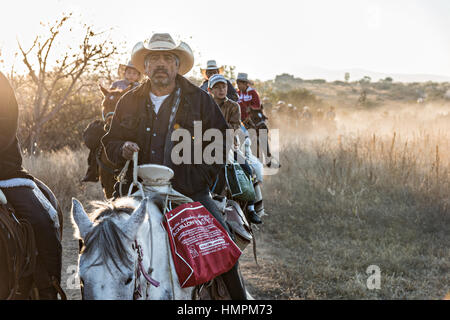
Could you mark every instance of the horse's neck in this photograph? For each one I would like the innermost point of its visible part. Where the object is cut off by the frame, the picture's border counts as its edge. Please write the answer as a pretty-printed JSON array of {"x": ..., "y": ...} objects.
[{"x": 157, "y": 255}]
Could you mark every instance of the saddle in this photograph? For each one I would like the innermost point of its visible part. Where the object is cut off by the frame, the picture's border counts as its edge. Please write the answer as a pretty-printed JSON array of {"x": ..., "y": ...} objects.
[
  {"x": 235, "y": 219},
  {"x": 17, "y": 236},
  {"x": 158, "y": 178}
]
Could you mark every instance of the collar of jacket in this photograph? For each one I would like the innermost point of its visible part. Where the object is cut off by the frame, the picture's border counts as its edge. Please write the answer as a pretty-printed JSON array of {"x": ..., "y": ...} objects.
[
  {"x": 186, "y": 86},
  {"x": 221, "y": 103}
]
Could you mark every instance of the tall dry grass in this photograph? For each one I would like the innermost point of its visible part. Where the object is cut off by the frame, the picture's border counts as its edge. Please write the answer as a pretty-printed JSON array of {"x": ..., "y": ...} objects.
[
  {"x": 376, "y": 192},
  {"x": 62, "y": 172},
  {"x": 371, "y": 196}
]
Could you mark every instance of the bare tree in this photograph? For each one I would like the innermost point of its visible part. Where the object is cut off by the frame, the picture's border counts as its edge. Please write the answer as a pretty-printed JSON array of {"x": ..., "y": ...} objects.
[{"x": 55, "y": 82}]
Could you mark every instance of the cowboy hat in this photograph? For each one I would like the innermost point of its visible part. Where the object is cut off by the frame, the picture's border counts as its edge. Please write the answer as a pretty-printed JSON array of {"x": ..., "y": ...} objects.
[
  {"x": 211, "y": 65},
  {"x": 163, "y": 42},
  {"x": 123, "y": 67},
  {"x": 243, "y": 77}
]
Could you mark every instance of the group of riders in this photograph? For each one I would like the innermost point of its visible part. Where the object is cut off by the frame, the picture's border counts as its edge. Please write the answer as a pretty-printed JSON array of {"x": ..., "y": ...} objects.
[
  {"x": 142, "y": 122},
  {"x": 303, "y": 118}
]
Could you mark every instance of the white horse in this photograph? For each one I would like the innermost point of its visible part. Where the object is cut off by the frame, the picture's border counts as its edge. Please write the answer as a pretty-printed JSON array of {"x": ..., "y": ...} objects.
[{"x": 126, "y": 254}]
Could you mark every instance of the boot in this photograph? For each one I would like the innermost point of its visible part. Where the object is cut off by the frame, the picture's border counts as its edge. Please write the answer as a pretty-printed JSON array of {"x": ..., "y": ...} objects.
[
  {"x": 253, "y": 217},
  {"x": 259, "y": 208}
]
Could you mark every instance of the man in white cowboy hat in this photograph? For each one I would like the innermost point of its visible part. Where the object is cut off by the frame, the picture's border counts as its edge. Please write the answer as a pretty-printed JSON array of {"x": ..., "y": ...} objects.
[
  {"x": 146, "y": 117},
  {"x": 212, "y": 69},
  {"x": 129, "y": 75}
]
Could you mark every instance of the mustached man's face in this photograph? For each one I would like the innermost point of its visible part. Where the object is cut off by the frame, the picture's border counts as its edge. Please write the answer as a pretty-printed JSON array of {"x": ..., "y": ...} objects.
[{"x": 161, "y": 68}]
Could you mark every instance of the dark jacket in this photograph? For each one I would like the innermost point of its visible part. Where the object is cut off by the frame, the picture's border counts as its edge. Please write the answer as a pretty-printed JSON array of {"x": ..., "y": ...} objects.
[
  {"x": 132, "y": 122},
  {"x": 10, "y": 153},
  {"x": 93, "y": 134},
  {"x": 231, "y": 92}
]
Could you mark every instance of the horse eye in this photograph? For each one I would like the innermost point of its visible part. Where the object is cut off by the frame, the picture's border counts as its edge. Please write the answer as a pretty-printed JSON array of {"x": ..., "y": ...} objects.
[{"x": 128, "y": 280}]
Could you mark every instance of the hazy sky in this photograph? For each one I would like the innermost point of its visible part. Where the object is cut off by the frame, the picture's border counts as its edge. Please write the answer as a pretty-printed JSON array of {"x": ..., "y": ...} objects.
[{"x": 265, "y": 38}]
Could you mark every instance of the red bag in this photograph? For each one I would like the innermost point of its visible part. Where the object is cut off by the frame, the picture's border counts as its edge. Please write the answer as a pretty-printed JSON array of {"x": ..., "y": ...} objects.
[{"x": 201, "y": 248}]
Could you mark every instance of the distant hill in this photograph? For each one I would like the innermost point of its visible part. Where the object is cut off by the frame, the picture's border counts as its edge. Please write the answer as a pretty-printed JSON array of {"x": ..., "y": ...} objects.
[{"x": 357, "y": 74}]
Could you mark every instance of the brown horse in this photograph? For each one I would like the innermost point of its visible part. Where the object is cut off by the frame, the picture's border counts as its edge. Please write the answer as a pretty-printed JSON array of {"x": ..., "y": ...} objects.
[
  {"x": 107, "y": 170},
  {"x": 18, "y": 252}
]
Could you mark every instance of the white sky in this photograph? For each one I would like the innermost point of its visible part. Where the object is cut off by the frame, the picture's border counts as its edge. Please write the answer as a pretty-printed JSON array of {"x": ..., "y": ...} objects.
[{"x": 265, "y": 38}]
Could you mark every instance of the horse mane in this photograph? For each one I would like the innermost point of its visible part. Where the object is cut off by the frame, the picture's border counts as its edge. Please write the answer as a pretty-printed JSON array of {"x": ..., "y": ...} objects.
[{"x": 107, "y": 235}]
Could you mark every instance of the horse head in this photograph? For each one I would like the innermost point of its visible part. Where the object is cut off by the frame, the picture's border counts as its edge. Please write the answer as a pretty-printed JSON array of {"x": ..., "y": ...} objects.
[
  {"x": 110, "y": 99},
  {"x": 108, "y": 261}
]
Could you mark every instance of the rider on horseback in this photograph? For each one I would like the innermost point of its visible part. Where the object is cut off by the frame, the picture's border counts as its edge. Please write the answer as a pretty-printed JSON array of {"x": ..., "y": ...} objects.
[
  {"x": 129, "y": 75},
  {"x": 212, "y": 69},
  {"x": 231, "y": 111},
  {"x": 146, "y": 117},
  {"x": 24, "y": 200},
  {"x": 97, "y": 128}
]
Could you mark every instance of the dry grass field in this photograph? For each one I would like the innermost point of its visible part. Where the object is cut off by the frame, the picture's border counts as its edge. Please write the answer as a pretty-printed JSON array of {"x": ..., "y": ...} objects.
[{"x": 375, "y": 192}]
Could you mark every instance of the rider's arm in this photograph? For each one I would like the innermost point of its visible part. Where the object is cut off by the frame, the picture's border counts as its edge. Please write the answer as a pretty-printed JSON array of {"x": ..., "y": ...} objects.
[
  {"x": 9, "y": 112},
  {"x": 255, "y": 102}
]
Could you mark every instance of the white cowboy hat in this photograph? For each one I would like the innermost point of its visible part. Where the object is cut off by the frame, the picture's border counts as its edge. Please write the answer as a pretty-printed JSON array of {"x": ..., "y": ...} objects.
[
  {"x": 163, "y": 42},
  {"x": 123, "y": 67},
  {"x": 211, "y": 65}
]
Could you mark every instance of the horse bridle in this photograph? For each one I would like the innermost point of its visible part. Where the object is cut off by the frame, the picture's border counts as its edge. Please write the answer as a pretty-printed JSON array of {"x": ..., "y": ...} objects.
[
  {"x": 109, "y": 114},
  {"x": 140, "y": 270}
]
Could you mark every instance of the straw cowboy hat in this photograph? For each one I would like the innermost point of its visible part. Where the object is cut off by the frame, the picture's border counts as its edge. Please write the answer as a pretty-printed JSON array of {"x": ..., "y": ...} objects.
[
  {"x": 163, "y": 42},
  {"x": 211, "y": 65},
  {"x": 123, "y": 67}
]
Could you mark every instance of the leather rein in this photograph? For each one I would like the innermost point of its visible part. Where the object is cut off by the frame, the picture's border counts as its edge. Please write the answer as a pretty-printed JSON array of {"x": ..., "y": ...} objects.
[{"x": 140, "y": 270}]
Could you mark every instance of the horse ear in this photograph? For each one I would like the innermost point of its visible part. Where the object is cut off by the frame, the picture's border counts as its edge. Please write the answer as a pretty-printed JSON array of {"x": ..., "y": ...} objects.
[
  {"x": 104, "y": 90},
  {"x": 136, "y": 219},
  {"x": 81, "y": 218}
]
